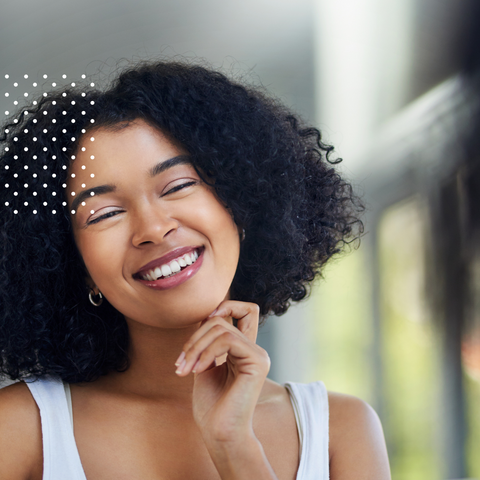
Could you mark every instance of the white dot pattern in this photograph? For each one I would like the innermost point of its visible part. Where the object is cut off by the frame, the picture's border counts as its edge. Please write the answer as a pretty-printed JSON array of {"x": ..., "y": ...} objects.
[{"x": 40, "y": 171}]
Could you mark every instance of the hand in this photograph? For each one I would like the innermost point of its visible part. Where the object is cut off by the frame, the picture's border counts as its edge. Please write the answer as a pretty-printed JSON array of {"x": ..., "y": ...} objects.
[{"x": 225, "y": 396}]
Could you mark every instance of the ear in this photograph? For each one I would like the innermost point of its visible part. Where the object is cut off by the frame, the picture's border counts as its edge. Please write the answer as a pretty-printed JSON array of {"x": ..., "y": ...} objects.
[{"x": 91, "y": 284}]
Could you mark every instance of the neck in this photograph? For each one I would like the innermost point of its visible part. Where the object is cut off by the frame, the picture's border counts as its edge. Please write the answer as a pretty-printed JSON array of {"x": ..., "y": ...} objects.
[{"x": 152, "y": 354}]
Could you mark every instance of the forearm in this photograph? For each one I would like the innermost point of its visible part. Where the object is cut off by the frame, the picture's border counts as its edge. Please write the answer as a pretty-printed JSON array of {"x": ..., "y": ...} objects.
[{"x": 242, "y": 460}]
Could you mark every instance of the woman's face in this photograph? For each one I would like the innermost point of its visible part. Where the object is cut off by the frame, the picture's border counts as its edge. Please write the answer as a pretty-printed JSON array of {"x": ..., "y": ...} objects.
[{"x": 150, "y": 214}]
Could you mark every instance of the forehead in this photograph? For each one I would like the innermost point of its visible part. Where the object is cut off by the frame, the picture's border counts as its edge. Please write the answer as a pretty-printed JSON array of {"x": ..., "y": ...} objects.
[
  {"x": 137, "y": 140},
  {"x": 108, "y": 154}
]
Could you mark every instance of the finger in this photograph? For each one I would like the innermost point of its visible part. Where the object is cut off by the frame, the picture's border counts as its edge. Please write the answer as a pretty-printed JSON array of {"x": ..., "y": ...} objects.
[
  {"x": 246, "y": 313},
  {"x": 206, "y": 326},
  {"x": 248, "y": 357},
  {"x": 195, "y": 350}
]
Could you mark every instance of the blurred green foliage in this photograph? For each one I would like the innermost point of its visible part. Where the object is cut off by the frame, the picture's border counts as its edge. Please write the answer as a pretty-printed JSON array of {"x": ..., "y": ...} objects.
[
  {"x": 342, "y": 340},
  {"x": 341, "y": 329},
  {"x": 410, "y": 347},
  {"x": 472, "y": 390}
]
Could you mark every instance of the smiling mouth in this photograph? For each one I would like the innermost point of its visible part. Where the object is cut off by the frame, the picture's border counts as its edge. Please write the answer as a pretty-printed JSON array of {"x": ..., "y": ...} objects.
[{"x": 171, "y": 268}]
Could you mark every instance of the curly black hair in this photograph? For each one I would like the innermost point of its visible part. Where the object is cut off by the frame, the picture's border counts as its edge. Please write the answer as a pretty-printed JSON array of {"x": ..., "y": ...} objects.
[{"x": 272, "y": 172}]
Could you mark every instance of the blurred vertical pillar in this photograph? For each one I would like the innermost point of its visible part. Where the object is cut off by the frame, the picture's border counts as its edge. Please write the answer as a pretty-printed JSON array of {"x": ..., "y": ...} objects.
[
  {"x": 449, "y": 288},
  {"x": 356, "y": 85},
  {"x": 362, "y": 65},
  {"x": 286, "y": 338},
  {"x": 289, "y": 342},
  {"x": 373, "y": 275},
  {"x": 346, "y": 81}
]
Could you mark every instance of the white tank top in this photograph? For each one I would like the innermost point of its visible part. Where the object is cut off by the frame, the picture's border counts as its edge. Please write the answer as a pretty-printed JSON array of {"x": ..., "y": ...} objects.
[{"x": 61, "y": 459}]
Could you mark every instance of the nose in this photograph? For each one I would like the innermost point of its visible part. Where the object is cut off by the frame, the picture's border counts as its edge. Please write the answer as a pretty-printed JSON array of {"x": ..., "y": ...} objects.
[{"x": 151, "y": 224}]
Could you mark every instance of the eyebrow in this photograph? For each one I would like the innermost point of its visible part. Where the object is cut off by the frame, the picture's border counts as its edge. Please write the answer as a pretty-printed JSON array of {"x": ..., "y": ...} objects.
[
  {"x": 171, "y": 162},
  {"x": 100, "y": 190},
  {"x": 155, "y": 170}
]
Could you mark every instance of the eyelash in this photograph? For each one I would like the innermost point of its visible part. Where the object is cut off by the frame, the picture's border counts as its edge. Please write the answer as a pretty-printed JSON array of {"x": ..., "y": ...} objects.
[
  {"x": 179, "y": 187},
  {"x": 114, "y": 212},
  {"x": 103, "y": 217}
]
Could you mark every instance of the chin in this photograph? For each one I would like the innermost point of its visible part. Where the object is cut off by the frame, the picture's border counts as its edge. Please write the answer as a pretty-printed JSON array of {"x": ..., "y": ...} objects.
[
  {"x": 178, "y": 311},
  {"x": 199, "y": 315},
  {"x": 183, "y": 318}
]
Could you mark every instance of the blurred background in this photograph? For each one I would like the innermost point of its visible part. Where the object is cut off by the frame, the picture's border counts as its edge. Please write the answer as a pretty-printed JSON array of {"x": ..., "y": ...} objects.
[{"x": 393, "y": 84}]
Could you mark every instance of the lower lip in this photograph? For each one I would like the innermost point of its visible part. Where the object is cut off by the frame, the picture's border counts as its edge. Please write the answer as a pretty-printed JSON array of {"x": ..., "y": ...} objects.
[{"x": 177, "y": 279}]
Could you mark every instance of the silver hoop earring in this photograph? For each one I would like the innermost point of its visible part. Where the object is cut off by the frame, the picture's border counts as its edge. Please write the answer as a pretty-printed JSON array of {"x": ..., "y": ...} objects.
[
  {"x": 95, "y": 302},
  {"x": 242, "y": 236}
]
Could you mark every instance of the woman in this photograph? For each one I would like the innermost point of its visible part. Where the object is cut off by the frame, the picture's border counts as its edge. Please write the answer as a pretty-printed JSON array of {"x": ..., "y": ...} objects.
[{"x": 138, "y": 223}]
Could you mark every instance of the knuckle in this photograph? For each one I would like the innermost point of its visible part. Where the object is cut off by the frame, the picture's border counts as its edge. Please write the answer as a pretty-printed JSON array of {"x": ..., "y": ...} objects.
[
  {"x": 216, "y": 322},
  {"x": 218, "y": 328},
  {"x": 208, "y": 352},
  {"x": 264, "y": 357},
  {"x": 195, "y": 350},
  {"x": 228, "y": 337},
  {"x": 255, "y": 308}
]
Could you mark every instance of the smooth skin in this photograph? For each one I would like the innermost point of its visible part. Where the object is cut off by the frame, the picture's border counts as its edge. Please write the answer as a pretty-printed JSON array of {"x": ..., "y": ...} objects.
[{"x": 195, "y": 402}]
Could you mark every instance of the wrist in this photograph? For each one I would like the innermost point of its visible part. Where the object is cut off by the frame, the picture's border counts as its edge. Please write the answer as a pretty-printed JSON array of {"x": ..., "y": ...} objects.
[{"x": 241, "y": 458}]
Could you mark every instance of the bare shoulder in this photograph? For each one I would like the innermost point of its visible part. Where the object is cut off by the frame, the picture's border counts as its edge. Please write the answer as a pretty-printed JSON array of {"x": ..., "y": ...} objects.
[
  {"x": 348, "y": 414},
  {"x": 357, "y": 443},
  {"x": 20, "y": 434}
]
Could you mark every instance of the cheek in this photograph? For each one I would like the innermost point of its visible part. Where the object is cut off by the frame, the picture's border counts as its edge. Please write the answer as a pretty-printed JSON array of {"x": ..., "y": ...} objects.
[
  {"x": 227, "y": 246},
  {"x": 100, "y": 254},
  {"x": 219, "y": 226}
]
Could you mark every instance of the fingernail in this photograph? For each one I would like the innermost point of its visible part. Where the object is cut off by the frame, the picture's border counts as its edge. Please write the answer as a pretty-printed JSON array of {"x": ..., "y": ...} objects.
[
  {"x": 213, "y": 313},
  {"x": 179, "y": 359},
  {"x": 181, "y": 367},
  {"x": 194, "y": 369}
]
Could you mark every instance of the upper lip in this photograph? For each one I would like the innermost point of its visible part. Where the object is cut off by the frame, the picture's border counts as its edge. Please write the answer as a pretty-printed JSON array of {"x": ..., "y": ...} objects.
[{"x": 168, "y": 257}]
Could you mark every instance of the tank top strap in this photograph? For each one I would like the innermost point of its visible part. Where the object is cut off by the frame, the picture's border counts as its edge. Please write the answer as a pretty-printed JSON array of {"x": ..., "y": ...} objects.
[
  {"x": 60, "y": 454},
  {"x": 310, "y": 404}
]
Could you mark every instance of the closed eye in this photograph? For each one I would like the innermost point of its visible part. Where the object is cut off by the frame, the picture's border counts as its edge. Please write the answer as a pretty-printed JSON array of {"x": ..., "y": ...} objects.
[
  {"x": 103, "y": 217},
  {"x": 112, "y": 213},
  {"x": 180, "y": 187}
]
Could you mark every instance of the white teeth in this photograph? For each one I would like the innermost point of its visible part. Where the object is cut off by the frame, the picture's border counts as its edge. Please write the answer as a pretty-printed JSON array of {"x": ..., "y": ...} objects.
[
  {"x": 166, "y": 270},
  {"x": 174, "y": 266}
]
